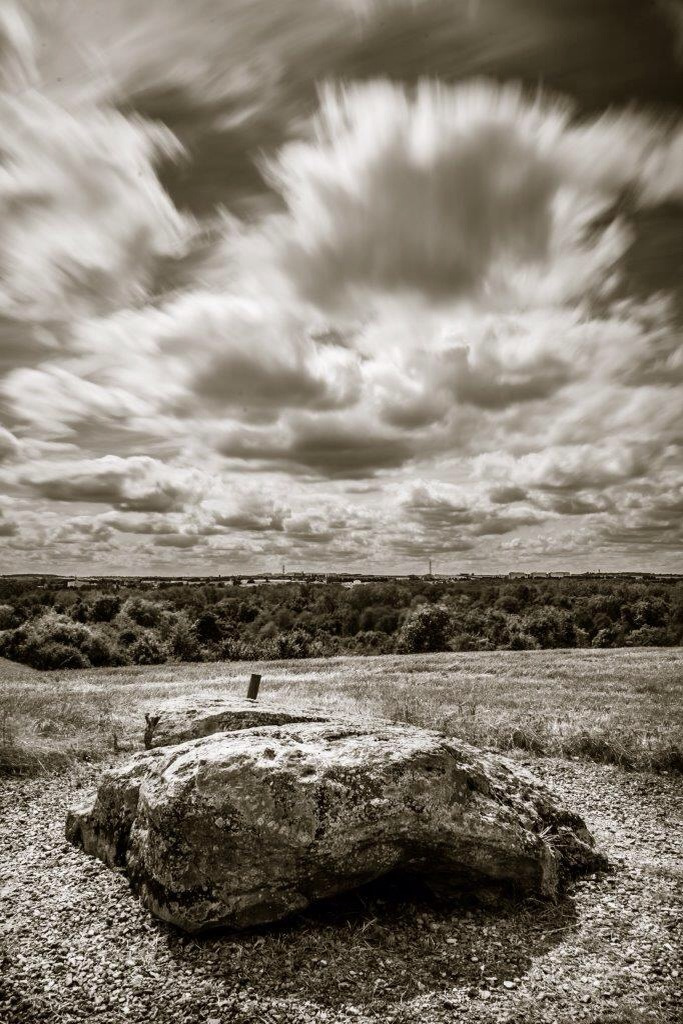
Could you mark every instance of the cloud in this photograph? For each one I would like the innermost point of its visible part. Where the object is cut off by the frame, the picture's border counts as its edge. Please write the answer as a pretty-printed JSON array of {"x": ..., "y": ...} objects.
[
  {"x": 434, "y": 274},
  {"x": 17, "y": 50},
  {"x": 80, "y": 530},
  {"x": 8, "y": 528},
  {"x": 85, "y": 220},
  {"x": 53, "y": 396},
  {"x": 250, "y": 513},
  {"x": 507, "y": 494},
  {"x": 179, "y": 540},
  {"x": 329, "y": 447},
  {"x": 437, "y": 191},
  {"x": 136, "y": 484},
  {"x": 254, "y": 357},
  {"x": 451, "y": 515},
  {"x": 570, "y": 467},
  {"x": 8, "y": 444}
]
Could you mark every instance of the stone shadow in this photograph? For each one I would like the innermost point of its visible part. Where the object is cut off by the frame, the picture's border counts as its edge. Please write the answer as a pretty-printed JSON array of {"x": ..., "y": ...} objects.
[{"x": 387, "y": 942}]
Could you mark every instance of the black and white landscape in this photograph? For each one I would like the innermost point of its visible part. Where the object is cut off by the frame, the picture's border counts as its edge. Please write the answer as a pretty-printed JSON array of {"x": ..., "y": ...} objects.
[{"x": 341, "y": 492}]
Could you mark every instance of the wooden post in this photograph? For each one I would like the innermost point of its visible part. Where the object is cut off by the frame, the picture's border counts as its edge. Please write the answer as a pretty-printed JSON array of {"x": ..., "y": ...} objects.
[{"x": 254, "y": 683}]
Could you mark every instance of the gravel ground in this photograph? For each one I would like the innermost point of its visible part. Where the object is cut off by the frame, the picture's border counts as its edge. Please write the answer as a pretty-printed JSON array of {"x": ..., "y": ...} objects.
[{"x": 76, "y": 945}]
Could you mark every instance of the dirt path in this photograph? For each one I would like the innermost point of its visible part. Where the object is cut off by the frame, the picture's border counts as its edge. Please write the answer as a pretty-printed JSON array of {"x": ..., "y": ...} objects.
[{"x": 75, "y": 944}]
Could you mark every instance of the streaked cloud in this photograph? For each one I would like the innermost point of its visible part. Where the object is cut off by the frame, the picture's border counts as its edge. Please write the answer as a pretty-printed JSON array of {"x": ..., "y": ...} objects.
[{"x": 340, "y": 282}]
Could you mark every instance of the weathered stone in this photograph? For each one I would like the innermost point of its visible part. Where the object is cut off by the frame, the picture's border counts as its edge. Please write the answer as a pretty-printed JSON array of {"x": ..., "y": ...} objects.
[
  {"x": 189, "y": 718},
  {"x": 243, "y": 828}
]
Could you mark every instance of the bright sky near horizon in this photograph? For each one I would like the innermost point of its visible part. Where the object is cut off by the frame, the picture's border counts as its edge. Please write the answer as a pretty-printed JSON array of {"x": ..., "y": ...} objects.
[{"x": 348, "y": 284}]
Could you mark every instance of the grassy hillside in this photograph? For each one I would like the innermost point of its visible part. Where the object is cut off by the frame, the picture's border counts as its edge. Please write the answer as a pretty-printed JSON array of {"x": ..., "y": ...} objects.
[{"x": 618, "y": 706}]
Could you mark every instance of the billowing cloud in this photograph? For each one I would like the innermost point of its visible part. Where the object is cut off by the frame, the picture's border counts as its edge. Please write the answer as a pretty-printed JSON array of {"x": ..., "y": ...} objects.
[
  {"x": 571, "y": 467},
  {"x": 436, "y": 191},
  {"x": 8, "y": 528},
  {"x": 340, "y": 282},
  {"x": 8, "y": 444},
  {"x": 327, "y": 448},
  {"x": 249, "y": 357},
  {"x": 137, "y": 483},
  {"x": 178, "y": 540},
  {"x": 85, "y": 220}
]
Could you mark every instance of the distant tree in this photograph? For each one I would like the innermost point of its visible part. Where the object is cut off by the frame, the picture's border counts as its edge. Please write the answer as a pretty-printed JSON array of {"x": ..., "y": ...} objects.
[
  {"x": 101, "y": 651},
  {"x": 54, "y": 656},
  {"x": 142, "y": 612},
  {"x": 648, "y": 636},
  {"x": 426, "y": 628},
  {"x": 550, "y": 626},
  {"x": 208, "y": 628},
  {"x": 7, "y": 616},
  {"x": 104, "y": 608},
  {"x": 183, "y": 640},
  {"x": 293, "y": 644},
  {"x": 147, "y": 651}
]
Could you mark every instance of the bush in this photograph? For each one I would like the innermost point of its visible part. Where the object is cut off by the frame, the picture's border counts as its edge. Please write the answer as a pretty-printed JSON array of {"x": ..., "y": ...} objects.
[
  {"x": 147, "y": 651},
  {"x": 7, "y": 617},
  {"x": 104, "y": 608},
  {"x": 55, "y": 655},
  {"x": 425, "y": 629},
  {"x": 102, "y": 652},
  {"x": 647, "y": 636},
  {"x": 520, "y": 641},
  {"x": 208, "y": 628},
  {"x": 294, "y": 644},
  {"x": 13, "y": 643},
  {"x": 550, "y": 627},
  {"x": 142, "y": 613},
  {"x": 60, "y": 629},
  {"x": 183, "y": 641}
]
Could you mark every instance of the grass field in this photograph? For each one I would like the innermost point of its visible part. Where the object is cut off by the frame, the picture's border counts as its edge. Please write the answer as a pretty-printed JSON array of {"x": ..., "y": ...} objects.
[{"x": 616, "y": 706}]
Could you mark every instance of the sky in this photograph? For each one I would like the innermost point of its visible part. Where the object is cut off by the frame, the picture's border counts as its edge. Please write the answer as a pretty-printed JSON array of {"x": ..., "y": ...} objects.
[{"x": 341, "y": 284}]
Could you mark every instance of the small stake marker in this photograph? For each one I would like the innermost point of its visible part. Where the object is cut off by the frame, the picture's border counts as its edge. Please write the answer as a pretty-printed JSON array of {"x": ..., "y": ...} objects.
[{"x": 254, "y": 683}]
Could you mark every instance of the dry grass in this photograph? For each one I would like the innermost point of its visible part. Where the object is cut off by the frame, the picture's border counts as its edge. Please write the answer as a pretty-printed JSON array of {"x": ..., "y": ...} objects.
[{"x": 617, "y": 706}]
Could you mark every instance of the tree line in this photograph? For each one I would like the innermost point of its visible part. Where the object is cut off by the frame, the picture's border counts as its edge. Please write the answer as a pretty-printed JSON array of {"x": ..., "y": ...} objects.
[{"x": 55, "y": 627}]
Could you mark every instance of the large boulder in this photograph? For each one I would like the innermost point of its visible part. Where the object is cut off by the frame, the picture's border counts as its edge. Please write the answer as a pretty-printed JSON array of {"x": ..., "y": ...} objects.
[
  {"x": 244, "y": 828},
  {"x": 189, "y": 718}
]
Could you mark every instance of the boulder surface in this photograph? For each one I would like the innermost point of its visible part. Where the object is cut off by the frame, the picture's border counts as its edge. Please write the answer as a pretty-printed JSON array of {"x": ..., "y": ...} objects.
[
  {"x": 243, "y": 828},
  {"x": 189, "y": 718}
]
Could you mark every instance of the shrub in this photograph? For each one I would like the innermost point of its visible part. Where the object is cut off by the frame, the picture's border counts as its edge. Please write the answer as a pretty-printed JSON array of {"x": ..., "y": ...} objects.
[
  {"x": 521, "y": 641},
  {"x": 142, "y": 613},
  {"x": 104, "y": 608},
  {"x": 7, "y": 617},
  {"x": 127, "y": 637},
  {"x": 60, "y": 629},
  {"x": 608, "y": 636},
  {"x": 208, "y": 628},
  {"x": 183, "y": 641},
  {"x": 647, "y": 636},
  {"x": 102, "y": 652},
  {"x": 293, "y": 644},
  {"x": 147, "y": 651},
  {"x": 13, "y": 643},
  {"x": 550, "y": 627},
  {"x": 425, "y": 629},
  {"x": 55, "y": 655}
]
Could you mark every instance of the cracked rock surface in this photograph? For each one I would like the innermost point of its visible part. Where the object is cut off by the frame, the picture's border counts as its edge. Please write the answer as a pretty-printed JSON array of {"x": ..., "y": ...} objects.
[{"x": 188, "y": 718}]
